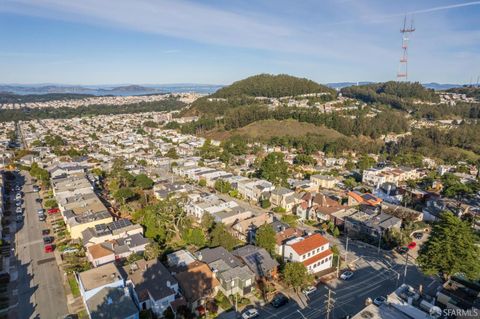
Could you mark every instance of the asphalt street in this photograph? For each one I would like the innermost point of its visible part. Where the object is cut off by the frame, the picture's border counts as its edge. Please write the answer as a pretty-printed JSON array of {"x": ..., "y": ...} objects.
[{"x": 39, "y": 290}]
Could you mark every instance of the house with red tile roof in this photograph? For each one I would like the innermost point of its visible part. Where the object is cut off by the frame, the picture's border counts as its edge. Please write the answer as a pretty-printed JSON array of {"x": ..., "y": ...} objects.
[
  {"x": 356, "y": 198},
  {"x": 313, "y": 251}
]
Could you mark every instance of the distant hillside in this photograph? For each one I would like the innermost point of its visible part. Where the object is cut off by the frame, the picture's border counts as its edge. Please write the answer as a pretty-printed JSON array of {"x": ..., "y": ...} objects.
[
  {"x": 398, "y": 95},
  {"x": 14, "y": 98},
  {"x": 266, "y": 129},
  {"x": 271, "y": 86},
  {"x": 469, "y": 91},
  {"x": 430, "y": 85}
]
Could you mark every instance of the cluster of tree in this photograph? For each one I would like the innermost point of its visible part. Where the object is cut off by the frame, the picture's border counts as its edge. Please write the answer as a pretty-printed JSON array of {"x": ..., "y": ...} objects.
[
  {"x": 39, "y": 173},
  {"x": 274, "y": 169},
  {"x": 201, "y": 125},
  {"x": 452, "y": 248},
  {"x": 453, "y": 187},
  {"x": 124, "y": 185},
  {"x": 468, "y": 90},
  {"x": 312, "y": 143},
  {"x": 91, "y": 110},
  {"x": 388, "y": 121},
  {"x": 398, "y": 95},
  {"x": 459, "y": 143},
  {"x": 442, "y": 111},
  {"x": 266, "y": 85},
  {"x": 54, "y": 140}
]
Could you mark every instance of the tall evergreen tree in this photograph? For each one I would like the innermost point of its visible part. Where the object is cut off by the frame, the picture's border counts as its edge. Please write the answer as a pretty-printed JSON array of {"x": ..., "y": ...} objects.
[{"x": 452, "y": 248}]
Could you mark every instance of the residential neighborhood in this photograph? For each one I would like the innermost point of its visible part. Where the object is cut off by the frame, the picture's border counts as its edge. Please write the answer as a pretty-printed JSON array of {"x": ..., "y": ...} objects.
[{"x": 229, "y": 240}]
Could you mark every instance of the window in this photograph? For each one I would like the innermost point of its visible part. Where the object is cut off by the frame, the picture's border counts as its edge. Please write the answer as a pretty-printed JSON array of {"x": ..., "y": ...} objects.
[
  {"x": 323, "y": 261},
  {"x": 323, "y": 248},
  {"x": 248, "y": 282},
  {"x": 308, "y": 255},
  {"x": 291, "y": 256}
]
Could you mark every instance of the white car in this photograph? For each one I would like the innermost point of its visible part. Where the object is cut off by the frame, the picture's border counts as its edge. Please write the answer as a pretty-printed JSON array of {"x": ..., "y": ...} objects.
[
  {"x": 309, "y": 290},
  {"x": 250, "y": 313},
  {"x": 18, "y": 196},
  {"x": 18, "y": 203},
  {"x": 346, "y": 275},
  {"x": 19, "y": 210}
]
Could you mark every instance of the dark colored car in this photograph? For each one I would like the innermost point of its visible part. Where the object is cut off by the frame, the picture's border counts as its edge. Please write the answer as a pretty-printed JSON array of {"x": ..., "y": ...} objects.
[
  {"x": 45, "y": 232},
  {"x": 418, "y": 235},
  {"x": 279, "y": 300},
  {"x": 38, "y": 200},
  {"x": 47, "y": 240},
  {"x": 402, "y": 250}
]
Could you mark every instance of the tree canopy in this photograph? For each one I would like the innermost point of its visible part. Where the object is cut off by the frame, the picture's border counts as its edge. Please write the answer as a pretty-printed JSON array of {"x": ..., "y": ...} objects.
[
  {"x": 265, "y": 238},
  {"x": 273, "y": 168},
  {"x": 296, "y": 275},
  {"x": 450, "y": 249}
]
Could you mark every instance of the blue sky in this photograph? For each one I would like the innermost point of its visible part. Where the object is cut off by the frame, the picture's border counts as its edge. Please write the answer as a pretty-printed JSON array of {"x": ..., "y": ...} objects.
[{"x": 218, "y": 41}]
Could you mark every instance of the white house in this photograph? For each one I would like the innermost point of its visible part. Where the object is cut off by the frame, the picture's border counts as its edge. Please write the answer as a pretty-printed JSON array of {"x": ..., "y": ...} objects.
[{"x": 313, "y": 251}]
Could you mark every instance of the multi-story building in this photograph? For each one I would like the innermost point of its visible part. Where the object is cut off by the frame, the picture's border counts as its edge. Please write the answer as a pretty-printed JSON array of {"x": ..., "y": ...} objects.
[{"x": 313, "y": 251}]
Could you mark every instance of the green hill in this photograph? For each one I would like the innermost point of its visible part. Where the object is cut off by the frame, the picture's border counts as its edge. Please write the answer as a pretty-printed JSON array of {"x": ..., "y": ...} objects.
[
  {"x": 398, "y": 95},
  {"x": 268, "y": 85}
]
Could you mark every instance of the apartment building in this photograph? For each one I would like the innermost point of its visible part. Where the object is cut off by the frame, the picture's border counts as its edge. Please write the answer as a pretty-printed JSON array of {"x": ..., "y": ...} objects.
[{"x": 313, "y": 251}]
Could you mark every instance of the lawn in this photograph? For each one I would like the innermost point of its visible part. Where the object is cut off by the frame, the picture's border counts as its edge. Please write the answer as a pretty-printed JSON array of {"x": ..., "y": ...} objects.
[{"x": 73, "y": 285}]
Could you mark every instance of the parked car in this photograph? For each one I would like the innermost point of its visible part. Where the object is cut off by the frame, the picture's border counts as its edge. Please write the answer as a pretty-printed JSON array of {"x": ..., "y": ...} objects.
[
  {"x": 418, "y": 235},
  {"x": 346, "y": 275},
  {"x": 18, "y": 210},
  {"x": 40, "y": 211},
  {"x": 379, "y": 300},
  {"x": 279, "y": 300},
  {"x": 402, "y": 250},
  {"x": 18, "y": 203},
  {"x": 47, "y": 239},
  {"x": 38, "y": 200},
  {"x": 49, "y": 248},
  {"x": 250, "y": 313},
  {"x": 18, "y": 188},
  {"x": 309, "y": 290},
  {"x": 53, "y": 211},
  {"x": 18, "y": 196},
  {"x": 42, "y": 218},
  {"x": 36, "y": 188},
  {"x": 19, "y": 219},
  {"x": 45, "y": 232}
]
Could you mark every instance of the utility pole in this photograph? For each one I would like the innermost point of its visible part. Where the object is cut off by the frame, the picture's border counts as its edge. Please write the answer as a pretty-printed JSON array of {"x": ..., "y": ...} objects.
[
  {"x": 346, "y": 251},
  {"x": 329, "y": 303},
  {"x": 405, "y": 270}
]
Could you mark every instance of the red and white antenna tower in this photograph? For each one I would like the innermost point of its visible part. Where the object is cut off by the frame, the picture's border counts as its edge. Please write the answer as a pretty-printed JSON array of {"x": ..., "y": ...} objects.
[{"x": 403, "y": 66}]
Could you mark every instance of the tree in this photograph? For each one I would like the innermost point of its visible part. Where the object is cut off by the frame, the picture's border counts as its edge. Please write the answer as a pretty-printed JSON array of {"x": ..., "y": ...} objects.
[
  {"x": 207, "y": 222},
  {"x": 50, "y": 203},
  {"x": 296, "y": 275},
  {"x": 208, "y": 150},
  {"x": 195, "y": 237},
  {"x": 274, "y": 169},
  {"x": 202, "y": 182},
  {"x": 265, "y": 203},
  {"x": 450, "y": 249},
  {"x": 172, "y": 153},
  {"x": 222, "y": 186},
  {"x": 143, "y": 181},
  {"x": 265, "y": 238},
  {"x": 365, "y": 162},
  {"x": 221, "y": 237},
  {"x": 303, "y": 159},
  {"x": 124, "y": 194},
  {"x": 152, "y": 251},
  {"x": 350, "y": 182}
]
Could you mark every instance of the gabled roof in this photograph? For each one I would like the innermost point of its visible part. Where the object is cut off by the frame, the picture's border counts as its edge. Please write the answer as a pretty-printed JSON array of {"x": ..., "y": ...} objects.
[
  {"x": 111, "y": 303},
  {"x": 309, "y": 243}
]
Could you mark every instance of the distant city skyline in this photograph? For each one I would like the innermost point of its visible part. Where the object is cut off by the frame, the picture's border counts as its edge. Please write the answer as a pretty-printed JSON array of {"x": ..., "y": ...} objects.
[{"x": 113, "y": 42}]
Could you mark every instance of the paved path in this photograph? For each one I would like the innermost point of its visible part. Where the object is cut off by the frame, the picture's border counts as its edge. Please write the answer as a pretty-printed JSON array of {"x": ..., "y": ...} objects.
[{"x": 39, "y": 291}]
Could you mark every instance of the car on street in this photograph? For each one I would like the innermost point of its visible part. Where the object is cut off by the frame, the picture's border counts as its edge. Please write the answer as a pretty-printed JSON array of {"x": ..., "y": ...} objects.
[
  {"x": 418, "y": 235},
  {"x": 19, "y": 219},
  {"x": 346, "y": 275},
  {"x": 40, "y": 211},
  {"x": 45, "y": 232},
  {"x": 379, "y": 300},
  {"x": 38, "y": 200},
  {"x": 402, "y": 250},
  {"x": 36, "y": 188},
  {"x": 47, "y": 239},
  {"x": 53, "y": 211},
  {"x": 18, "y": 210},
  {"x": 309, "y": 290},
  {"x": 18, "y": 188},
  {"x": 42, "y": 218},
  {"x": 18, "y": 202},
  {"x": 250, "y": 313},
  {"x": 279, "y": 300},
  {"x": 18, "y": 196},
  {"x": 48, "y": 248}
]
